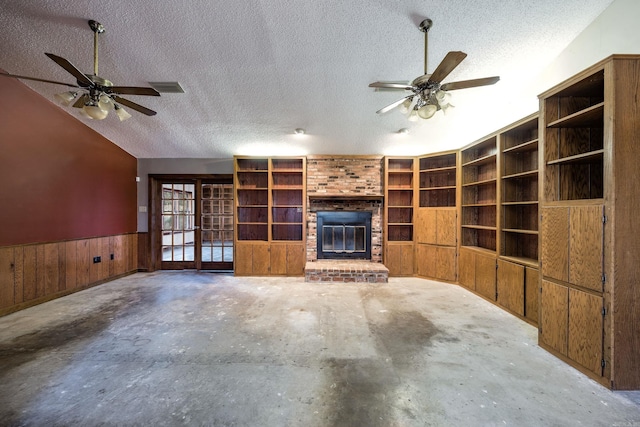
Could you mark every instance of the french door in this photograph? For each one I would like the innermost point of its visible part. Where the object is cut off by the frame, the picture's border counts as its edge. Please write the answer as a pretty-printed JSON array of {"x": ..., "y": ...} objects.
[{"x": 192, "y": 223}]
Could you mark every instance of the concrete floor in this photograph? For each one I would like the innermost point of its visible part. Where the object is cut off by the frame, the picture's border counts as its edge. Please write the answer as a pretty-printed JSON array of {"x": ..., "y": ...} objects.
[{"x": 186, "y": 348}]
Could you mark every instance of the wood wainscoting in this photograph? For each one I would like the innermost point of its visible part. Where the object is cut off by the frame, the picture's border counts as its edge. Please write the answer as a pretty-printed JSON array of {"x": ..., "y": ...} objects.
[{"x": 35, "y": 273}]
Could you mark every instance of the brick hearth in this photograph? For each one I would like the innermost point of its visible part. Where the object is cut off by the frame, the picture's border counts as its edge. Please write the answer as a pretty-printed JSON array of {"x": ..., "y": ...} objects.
[{"x": 346, "y": 271}]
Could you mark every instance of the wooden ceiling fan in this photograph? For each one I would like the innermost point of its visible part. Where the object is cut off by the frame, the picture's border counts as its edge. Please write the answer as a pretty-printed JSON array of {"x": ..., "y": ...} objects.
[
  {"x": 429, "y": 94},
  {"x": 95, "y": 95}
]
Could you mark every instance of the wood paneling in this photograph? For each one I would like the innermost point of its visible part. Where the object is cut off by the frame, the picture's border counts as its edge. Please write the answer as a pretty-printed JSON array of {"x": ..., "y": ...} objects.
[
  {"x": 446, "y": 227},
  {"x": 426, "y": 231},
  {"x": 585, "y": 247},
  {"x": 510, "y": 286},
  {"x": 243, "y": 259},
  {"x": 486, "y": 276},
  {"x": 585, "y": 330},
  {"x": 30, "y": 274},
  {"x": 467, "y": 269},
  {"x": 554, "y": 316},
  {"x": 278, "y": 259},
  {"x": 399, "y": 259},
  {"x": 555, "y": 243},
  {"x": 7, "y": 277},
  {"x": 424, "y": 256},
  {"x": 531, "y": 294}
]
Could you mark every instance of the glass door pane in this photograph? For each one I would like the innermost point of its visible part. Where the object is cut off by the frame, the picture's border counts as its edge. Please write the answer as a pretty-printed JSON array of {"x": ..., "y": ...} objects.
[
  {"x": 178, "y": 222},
  {"x": 217, "y": 226}
]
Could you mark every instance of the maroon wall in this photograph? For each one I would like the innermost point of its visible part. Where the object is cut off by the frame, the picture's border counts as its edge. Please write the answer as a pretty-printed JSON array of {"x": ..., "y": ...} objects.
[{"x": 59, "y": 179}]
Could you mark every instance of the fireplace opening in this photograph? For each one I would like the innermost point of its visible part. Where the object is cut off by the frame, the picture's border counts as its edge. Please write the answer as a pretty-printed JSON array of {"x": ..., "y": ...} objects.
[{"x": 344, "y": 235}]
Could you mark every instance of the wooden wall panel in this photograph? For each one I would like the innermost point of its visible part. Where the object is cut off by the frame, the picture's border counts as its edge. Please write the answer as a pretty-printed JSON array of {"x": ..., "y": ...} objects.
[
  {"x": 446, "y": 227},
  {"x": 467, "y": 269},
  {"x": 41, "y": 277},
  {"x": 19, "y": 274},
  {"x": 95, "y": 268},
  {"x": 531, "y": 294},
  {"x": 71, "y": 260},
  {"x": 51, "y": 269},
  {"x": 486, "y": 276},
  {"x": 555, "y": 243},
  {"x": 554, "y": 316},
  {"x": 446, "y": 263},
  {"x": 585, "y": 247},
  {"x": 30, "y": 265},
  {"x": 7, "y": 277},
  {"x": 105, "y": 253},
  {"x": 585, "y": 330},
  {"x": 510, "y": 284},
  {"x": 83, "y": 263}
]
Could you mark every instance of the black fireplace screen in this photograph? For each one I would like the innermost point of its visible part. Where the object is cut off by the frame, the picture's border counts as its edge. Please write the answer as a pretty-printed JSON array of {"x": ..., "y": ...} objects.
[{"x": 344, "y": 235}]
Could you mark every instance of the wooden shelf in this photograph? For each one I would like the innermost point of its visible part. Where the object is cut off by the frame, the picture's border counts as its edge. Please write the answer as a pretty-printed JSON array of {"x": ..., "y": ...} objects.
[
  {"x": 479, "y": 227},
  {"x": 479, "y": 205},
  {"x": 483, "y": 182},
  {"x": 448, "y": 187},
  {"x": 438, "y": 170},
  {"x": 579, "y": 158},
  {"x": 527, "y": 174},
  {"x": 525, "y": 146},
  {"x": 523, "y": 203},
  {"x": 480, "y": 161},
  {"x": 519, "y": 231},
  {"x": 480, "y": 249},
  {"x": 530, "y": 262},
  {"x": 589, "y": 117}
]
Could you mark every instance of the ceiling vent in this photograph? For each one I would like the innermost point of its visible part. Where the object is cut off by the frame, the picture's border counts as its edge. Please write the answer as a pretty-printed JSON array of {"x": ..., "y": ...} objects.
[{"x": 167, "y": 87}]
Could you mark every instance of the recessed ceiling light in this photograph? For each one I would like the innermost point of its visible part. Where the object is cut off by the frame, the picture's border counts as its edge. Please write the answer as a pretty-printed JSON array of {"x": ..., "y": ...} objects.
[
  {"x": 299, "y": 131},
  {"x": 403, "y": 131}
]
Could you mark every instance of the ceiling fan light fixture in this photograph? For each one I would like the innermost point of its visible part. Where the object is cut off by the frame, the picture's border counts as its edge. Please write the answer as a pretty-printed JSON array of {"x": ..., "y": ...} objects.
[
  {"x": 413, "y": 116},
  {"x": 406, "y": 105},
  {"x": 65, "y": 98},
  {"x": 105, "y": 102},
  {"x": 427, "y": 111},
  {"x": 121, "y": 113},
  {"x": 95, "y": 112}
]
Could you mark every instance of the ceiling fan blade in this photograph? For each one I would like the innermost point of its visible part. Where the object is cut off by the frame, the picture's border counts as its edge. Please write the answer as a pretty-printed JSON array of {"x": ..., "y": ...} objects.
[
  {"x": 133, "y": 105},
  {"x": 394, "y": 105},
  {"x": 388, "y": 85},
  {"x": 470, "y": 83},
  {"x": 37, "y": 79},
  {"x": 451, "y": 61},
  {"x": 81, "y": 101},
  {"x": 132, "y": 90},
  {"x": 79, "y": 75}
]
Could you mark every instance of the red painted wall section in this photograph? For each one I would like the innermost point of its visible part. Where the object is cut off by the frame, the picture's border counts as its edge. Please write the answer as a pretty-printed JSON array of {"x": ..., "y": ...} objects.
[{"x": 59, "y": 179}]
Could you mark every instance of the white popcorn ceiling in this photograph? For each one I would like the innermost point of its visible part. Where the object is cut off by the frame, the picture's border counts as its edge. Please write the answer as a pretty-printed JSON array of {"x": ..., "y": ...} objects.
[{"x": 255, "y": 70}]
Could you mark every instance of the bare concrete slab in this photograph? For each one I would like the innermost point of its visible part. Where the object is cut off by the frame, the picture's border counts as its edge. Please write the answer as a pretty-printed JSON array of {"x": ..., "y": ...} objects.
[{"x": 187, "y": 348}]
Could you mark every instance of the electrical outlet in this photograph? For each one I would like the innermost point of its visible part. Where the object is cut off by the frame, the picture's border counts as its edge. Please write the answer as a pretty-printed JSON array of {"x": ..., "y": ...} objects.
[{"x": 97, "y": 259}]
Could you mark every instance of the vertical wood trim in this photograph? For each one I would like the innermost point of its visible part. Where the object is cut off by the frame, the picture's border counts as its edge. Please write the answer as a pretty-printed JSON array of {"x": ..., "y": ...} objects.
[
  {"x": 62, "y": 266},
  {"x": 30, "y": 263},
  {"x": 40, "y": 271},
  {"x": 19, "y": 274},
  {"x": 7, "y": 277},
  {"x": 51, "y": 270},
  {"x": 71, "y": 272}
]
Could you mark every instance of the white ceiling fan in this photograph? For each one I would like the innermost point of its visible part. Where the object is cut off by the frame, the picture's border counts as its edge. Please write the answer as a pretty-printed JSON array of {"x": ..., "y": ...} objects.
[{"x": 429, "y": 94}]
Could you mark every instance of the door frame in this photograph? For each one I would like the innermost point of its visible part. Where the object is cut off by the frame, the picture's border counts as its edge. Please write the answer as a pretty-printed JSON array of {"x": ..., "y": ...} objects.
[{"x": 155, "y": 215}]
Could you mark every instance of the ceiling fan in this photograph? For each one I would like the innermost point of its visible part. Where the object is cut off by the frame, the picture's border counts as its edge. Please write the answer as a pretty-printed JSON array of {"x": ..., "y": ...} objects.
[
  {"x": 429, "y": 94},
  {"x": 94, "y": 95}
]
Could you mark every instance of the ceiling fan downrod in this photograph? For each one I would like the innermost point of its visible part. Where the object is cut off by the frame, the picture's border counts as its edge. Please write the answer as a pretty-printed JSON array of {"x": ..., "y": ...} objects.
[
  {"x": 424, "y": 27},
  {"x": 97, "y": 28}
]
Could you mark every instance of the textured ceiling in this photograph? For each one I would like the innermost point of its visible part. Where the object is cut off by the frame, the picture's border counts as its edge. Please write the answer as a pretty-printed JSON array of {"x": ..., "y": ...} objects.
[{"x": 255, "y": 70}]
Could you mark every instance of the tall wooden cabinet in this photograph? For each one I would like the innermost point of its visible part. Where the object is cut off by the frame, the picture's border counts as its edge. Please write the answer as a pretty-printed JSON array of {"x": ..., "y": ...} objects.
[
  {"x": 590, "y": 251},
  {"x": 517, "y": 272},
  {"x": 399, "y": 215},
  {"x": 270, "y": 206},
  {"x": 436, "y": 222},
  {"x": 479, "y": 216}
]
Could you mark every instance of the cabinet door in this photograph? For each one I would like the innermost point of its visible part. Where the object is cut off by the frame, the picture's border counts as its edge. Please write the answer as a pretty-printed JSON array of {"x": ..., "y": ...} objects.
[
  {"x": 467, "y": 269},
  {"x": 243, "y": 261},
  {"x": 585, "y": 247},
  {"x": 486, "y": 276},
  {"x": 585, "y": 330},
  {"x": 278, "y": 259},
  {"x": 296, "y": 259},
  {"x": 554, "y": 314},
  {"x": 510, "y": 286},
  {"x": 261, "y": 259},
  {"x": 555, "y": 243},
  {"x": 425, "y": 260},
  {"x": 531, "y": 294},
  {"x": 446, "y": 227},
  {"x": 399, "y": 259},
  {"x": 446, "y": 263},
  {"x": 426, "y": 226}
]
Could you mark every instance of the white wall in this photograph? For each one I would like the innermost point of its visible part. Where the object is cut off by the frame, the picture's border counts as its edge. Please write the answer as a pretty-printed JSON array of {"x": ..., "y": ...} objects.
[{"x": 616, "y": 30}]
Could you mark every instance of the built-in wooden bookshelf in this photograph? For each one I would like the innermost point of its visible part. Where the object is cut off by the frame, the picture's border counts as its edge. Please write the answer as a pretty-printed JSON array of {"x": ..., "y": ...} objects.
[
  {"x": 399, "y": 215},
  {"x": 252, "y": 199},
  {"x": 287, "y": 191},
  {"x": 438, "y": 180},
  {"x": 479, "y": 195}
]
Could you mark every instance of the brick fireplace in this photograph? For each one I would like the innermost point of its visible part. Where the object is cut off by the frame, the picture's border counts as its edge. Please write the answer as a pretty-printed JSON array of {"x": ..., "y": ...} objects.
[{"x": 346, "y": 184}]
